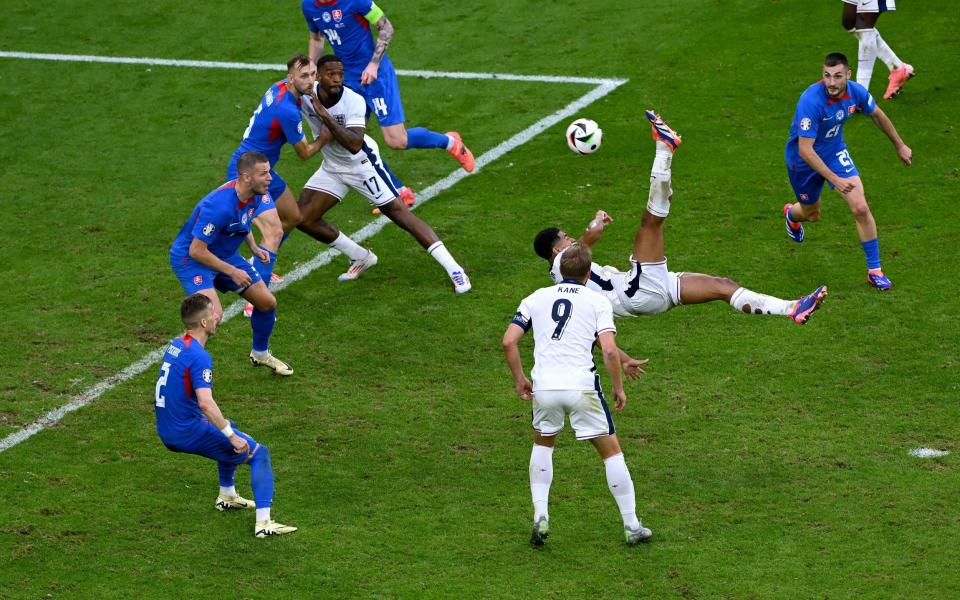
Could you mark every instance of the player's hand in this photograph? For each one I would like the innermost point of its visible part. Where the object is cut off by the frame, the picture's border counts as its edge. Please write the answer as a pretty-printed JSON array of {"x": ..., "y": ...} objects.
[
  {"x": 262, "y": 254},
  {"x": 240, "y": 445},
  {"x": 525, "y": 389},
  {"x": 240, "y": 277},
  {"x": 631, "y": 368},
  {"x": 319, "y": 108},
  {"x": 621, "y": 397},
  {"x": 369, "y": 74},
  {"x": 905, "y": 154},
  {"x": 603, "y": 217},
  {"x": 845, "y": 185}
]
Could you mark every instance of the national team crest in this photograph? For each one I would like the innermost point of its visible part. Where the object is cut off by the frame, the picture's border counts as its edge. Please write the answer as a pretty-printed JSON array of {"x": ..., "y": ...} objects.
[
  {"x": 341, "y": 120},
  {"x": 197, "y": 279},
  {"x": 851, "y": 109},
  {"x": 265, "y": 199},
  {"x": 337, "y": 15},
  {"x": 805, "y": 124},
  {"x": 250, "y": 213},
  {"x": 326, "y": 17},
  {"x": 804, "y": 197},
  {"x": 207, "y": 375},
  {"x": 209, "y": 228}
]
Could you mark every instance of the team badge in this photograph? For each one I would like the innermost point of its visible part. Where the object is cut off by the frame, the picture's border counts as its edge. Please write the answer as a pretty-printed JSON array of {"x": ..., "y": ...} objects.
[
  {"x": 326, "y": 17},
  {"x": 265, "y": 199},
  {"x": 337, "y": 15},
  {"x": 851, "y": 109},
  {"x": 840, "y": 115},
  {"x": 209, "y": 228},
  {"x": 804, "y": 197},
  {"x": 250, "y": 213},
  {"x": 805, "y": 124},
  {"x": 340, "y": 119},
  {"x": 197, "y": 279},
  {"x": 207, "y": 375}
]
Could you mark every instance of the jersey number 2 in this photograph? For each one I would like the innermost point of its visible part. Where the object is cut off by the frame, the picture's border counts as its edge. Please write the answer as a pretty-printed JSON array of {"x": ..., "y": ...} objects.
[
  {"x": 159, "y": 400},
  {"x": 562, "y": 309}
]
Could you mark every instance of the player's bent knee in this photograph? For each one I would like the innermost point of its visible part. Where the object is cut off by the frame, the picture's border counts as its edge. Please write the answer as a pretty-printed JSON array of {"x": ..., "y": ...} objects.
[{"x": 860, "y": 211}]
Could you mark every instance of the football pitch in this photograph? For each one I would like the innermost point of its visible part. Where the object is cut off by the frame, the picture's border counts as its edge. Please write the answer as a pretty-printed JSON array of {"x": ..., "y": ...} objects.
[{"x": 770, "y": 460}]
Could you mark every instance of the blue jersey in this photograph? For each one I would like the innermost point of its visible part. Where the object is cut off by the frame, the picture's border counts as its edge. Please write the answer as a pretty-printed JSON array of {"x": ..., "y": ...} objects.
[
  {"x": 275, "y": 122},
  {"x": 221, "y": 220},
  {"x": 344, "y": 25},
  {"x": 186, "y": 367},
  {"x": 821, "y": 117}
]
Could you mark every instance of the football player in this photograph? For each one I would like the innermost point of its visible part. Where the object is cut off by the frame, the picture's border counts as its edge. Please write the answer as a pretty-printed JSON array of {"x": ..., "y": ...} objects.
[{"x": 860, "y": 18}]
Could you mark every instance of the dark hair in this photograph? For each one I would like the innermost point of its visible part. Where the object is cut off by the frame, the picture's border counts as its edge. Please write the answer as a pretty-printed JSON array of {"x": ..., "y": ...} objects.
[
  {"x": 192, "y": 308},
  {"x": 575, "y": 262},
  {"x": 545, "y": 241},
  {"x": 247, "y": 161},
  {"x": 297, "y": 61},
  {"x": 835, "y": 58},
  {"x": 327, "y": 58}
]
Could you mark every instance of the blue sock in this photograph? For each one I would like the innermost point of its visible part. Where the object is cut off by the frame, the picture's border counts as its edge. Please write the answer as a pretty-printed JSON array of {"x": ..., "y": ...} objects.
[
  {"x": 872, "y": 251},
  {"x": 265, "y": 269},
  {"x": 393, "y": 178},
  {"x": 261, "y": 477},
  {"x": 261, "y": 321},
  {"x": 226, "y": 473},
  {"x": 421, "y": 137}
]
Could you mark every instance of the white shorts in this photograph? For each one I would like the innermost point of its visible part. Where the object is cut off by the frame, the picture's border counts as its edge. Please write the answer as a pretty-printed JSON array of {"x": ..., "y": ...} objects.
[
  {"x": 648, "y": 289},
  {"x": 589, "y": 414},
  {"x": 873, "y": 6},
  {"x": 367, "y": 176}
]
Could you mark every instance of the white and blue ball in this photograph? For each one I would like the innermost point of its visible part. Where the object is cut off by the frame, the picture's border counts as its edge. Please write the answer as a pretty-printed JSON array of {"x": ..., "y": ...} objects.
[{"x": 584, "y": 136}]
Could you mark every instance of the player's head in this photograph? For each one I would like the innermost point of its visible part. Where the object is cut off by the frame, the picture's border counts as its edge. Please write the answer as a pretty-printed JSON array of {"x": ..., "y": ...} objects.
[
  {"x": 301, "y": 73},
  {"x": 253, "y": 171},
  {"x": 836, "y": 72},
  {"x": 330, "y": 74},
  {"x": 550, "y": 241},
  {"x": 576, "y": 262},
  {"x": 198, "y": 314}
]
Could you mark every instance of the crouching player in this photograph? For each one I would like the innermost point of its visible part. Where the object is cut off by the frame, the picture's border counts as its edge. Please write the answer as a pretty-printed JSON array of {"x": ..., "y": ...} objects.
[{"x": 189, "y": 420}]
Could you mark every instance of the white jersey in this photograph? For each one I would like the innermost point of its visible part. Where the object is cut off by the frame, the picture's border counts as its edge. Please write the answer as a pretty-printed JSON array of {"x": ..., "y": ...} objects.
[
  {"x": 607, "y": 281},
  {"x": 566, "y": 320},
  {"x": 349, "y": 111}
]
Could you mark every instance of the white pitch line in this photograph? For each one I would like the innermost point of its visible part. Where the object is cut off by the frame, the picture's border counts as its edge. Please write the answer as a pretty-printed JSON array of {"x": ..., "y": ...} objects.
[
  {"x": 321, "y": 259},
  {"x": 210, "y": 64}
]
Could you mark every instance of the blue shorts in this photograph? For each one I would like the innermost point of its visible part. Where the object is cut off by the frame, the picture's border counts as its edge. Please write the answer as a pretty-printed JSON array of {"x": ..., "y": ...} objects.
[
  {"x": 209, "y": 442},
  {"x": 807, "y": 183},
  {"x": 195, "y": 277},
  {"x": 276, "y": 189},
  {"x": 382, "y": 96}
]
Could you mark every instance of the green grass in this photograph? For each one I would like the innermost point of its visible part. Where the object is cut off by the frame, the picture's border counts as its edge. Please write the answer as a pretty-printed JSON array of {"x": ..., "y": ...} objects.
[{"x": 770, "y": 460}]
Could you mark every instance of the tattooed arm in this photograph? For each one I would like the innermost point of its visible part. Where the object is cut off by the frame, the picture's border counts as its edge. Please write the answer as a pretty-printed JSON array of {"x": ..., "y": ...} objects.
[{"x": 384, "y": 35}]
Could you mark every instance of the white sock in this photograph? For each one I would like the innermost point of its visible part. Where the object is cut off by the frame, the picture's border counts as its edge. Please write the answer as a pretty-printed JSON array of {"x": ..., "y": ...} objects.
[
  {"x": 350, "y": 248},
  {"x": 229, "y": 492},
  {"x": 886, "y": 54},
  {"x": 449, "y": 143},
  {"x": 541, "y": 476},
  {"x": 440, "y": 253},
  {"x": 753, "y": 303},
  {"x": 621, "y": 486},
  {"x": 866, "y": 55},
  {"x": 658, "y": 200},
  {"x": 263, "y": 514}
]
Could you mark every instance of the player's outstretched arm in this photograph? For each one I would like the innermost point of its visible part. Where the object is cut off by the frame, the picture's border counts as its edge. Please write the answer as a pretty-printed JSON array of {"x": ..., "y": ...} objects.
[
  {"x": 212, "y": 412},
  {"x": 384, "y": 36},
  {"x": 594, "y": 231},
  {"x": 511, "y": 351},
  {"x": 611, "y": 360},
  {"x": 882, "y": 121},
  {"x": 810, "y": 156}
]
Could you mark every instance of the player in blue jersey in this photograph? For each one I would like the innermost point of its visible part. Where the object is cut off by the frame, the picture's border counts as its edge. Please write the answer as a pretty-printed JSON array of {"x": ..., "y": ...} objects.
[
  {"x": 345, "y": 24},
  {"x": 816, "y": 153},
  {"x": 189, "y": 420},
  {"x": 276, "y": 122},
  {"x": 205, "y": 257}
]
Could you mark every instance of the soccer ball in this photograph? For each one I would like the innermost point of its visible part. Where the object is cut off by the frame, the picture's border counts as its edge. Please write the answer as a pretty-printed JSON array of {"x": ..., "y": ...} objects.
[{"x": 584, "y": 136}]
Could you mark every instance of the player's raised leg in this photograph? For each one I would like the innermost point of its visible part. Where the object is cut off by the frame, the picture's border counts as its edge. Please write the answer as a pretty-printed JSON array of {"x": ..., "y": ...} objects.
[
  {"x": 648, "y": 245},
  {"x": 621, "y": 487},
  {"x": 262, "y": 322},
  {"x": 867, "y": 232},
  {"x": 399, "y": 137}
]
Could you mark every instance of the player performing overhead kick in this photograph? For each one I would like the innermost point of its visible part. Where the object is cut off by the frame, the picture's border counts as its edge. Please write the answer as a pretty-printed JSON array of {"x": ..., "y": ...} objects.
[
  {"x": 351, "y": 160},
  {"x": 816, "y": 153},
  {"x": 345, "y": 24},
  {"x": 648, "y": 288}
]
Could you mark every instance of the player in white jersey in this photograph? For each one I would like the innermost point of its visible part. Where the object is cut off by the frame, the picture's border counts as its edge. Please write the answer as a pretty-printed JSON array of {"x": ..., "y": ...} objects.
[
  {"x": 860, "y": 18},
  {"x": 568, "y": 319},
  {"x": 351, "y": 160},
  {"x": 649, "y": 288}
]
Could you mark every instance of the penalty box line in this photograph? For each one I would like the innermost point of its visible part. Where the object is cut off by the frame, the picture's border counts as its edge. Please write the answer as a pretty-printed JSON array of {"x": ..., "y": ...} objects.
[{"x": 88, "y": 396}]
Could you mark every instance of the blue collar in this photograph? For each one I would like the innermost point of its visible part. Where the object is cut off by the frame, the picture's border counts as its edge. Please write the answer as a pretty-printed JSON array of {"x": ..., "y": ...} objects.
[{"x": 572, "y": 281}]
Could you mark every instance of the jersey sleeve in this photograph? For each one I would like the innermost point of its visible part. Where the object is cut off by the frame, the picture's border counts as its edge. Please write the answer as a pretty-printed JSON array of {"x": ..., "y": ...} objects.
[
  {"x": 292, "y": 126},
  {"x": 865, "y": 101},
  {"x": 522, "y": 317},
  {"x": 605, "y": 317},
  {"x": 311, "y": 24},
  {"x": 807, "y": 118},
  {"x": 356, "y": 112},
  {"x": 201, "y": 371},
  {"x": 208, "y": 224}
]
